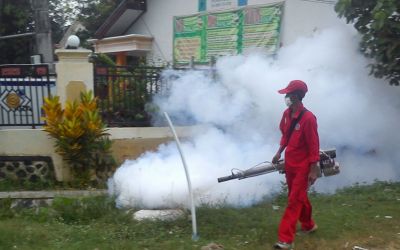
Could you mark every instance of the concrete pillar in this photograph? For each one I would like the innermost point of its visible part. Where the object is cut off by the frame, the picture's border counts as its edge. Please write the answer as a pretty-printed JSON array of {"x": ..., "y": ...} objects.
[
  {"x": 74, "y": 73},
  {"x": 43, "y": 42}
]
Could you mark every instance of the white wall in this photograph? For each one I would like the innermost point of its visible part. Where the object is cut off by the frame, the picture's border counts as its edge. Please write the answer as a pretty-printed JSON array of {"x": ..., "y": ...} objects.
[
  {"x": 31, "y": 142},
  {"x": 131, "y": 141},
  {"x": 301, "y": 18},
  {"x": 157, "y": 22}
]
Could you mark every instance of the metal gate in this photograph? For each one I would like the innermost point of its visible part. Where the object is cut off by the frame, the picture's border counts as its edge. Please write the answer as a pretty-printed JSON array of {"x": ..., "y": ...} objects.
[
  {"x": 124, "y": 91},
  {"x": 22, "y": 92}
]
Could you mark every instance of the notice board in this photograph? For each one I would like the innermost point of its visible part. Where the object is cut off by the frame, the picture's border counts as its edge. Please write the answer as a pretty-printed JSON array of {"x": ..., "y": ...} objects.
[{"x": 206, "y": 35}]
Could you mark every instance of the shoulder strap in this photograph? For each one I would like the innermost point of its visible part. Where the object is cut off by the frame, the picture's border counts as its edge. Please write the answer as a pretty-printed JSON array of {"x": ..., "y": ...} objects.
[{"x": 293, "y": 124}]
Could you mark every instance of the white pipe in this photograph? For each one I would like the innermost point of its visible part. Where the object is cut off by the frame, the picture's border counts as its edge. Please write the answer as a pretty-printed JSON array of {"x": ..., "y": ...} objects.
[{"x": 193, "y": 208}]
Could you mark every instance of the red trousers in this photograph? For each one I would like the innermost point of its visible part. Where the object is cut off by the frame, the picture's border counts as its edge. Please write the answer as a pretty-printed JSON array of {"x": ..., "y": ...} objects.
[{"x": 298, "y": 208}]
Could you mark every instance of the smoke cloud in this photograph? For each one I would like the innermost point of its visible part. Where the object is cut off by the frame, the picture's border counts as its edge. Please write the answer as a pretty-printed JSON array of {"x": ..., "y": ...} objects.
[{"x": 239, "y": 114}]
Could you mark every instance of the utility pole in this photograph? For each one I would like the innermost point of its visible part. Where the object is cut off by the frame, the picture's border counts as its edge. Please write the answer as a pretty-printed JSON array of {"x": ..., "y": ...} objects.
[
  {"x": 1, "y": 8},
  {"x": 43, "y": 43}
]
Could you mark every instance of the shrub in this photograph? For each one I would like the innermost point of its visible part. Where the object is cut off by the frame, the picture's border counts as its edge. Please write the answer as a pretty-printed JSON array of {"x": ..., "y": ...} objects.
[
  {"x": 80, "y": 136},
  {"x": 5, "y": 211},
  {"x": 82, "y": 210}
]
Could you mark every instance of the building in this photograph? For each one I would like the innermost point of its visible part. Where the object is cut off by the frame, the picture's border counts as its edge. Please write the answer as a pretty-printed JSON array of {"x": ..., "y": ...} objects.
[{"x": 178, "y": 31}]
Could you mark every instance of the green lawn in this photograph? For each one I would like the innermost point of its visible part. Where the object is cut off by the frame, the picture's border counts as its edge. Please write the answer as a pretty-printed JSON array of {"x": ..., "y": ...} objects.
[{"x": 365, "y": 216}]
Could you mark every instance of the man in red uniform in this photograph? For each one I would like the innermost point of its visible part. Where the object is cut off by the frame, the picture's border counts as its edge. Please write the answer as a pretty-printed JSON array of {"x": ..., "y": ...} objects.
[{"x": 300, "y": 138}]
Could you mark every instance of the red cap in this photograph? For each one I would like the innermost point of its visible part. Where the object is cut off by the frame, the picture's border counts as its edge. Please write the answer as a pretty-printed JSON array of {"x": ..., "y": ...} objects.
[{"x": 293, "y": 86}]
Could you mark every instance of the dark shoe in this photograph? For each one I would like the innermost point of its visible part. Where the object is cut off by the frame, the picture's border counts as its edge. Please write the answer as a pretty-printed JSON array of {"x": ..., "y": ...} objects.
[{"x": 283, "y": 245}]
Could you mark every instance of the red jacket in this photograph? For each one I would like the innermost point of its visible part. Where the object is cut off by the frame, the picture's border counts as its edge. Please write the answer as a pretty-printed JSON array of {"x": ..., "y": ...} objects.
[{"x": 303, "y": 146}]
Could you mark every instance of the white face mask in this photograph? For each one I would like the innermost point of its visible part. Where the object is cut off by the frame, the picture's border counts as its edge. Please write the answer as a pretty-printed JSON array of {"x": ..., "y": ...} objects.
[{"x": 288, "y": 101}]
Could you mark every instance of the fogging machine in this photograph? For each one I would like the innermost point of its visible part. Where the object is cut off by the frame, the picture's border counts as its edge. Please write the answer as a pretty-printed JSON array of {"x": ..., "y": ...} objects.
[{"x": 328, "y": 167}]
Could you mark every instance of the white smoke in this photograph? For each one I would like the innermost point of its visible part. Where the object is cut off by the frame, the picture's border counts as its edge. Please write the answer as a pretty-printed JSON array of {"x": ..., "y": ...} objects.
[{"x": 240, "y": 113}]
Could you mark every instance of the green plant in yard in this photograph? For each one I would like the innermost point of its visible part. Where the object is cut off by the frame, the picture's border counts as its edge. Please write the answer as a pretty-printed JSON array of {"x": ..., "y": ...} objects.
[
  {"x": 5, "y": 211},
  {"x": 82, "y": 210},
  {"x": 363, "y": 215},
  {"x": 13, "y": 185},
  {"x": 80, "y": 136}
]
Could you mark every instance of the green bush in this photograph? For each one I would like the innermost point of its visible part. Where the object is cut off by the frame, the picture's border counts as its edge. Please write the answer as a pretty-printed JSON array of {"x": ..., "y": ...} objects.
[
  {"x": 5, "y": 208},
  {"x": 80, "y": 137},
  {"x": 82, "y": 210}
]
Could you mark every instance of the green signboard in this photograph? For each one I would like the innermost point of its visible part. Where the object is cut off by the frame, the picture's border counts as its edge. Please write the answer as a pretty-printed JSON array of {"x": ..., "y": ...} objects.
[
  {"x": 233, "y": 32},
  {"x": 221, "y": 34},
  {"x": 188, "y": 39}
]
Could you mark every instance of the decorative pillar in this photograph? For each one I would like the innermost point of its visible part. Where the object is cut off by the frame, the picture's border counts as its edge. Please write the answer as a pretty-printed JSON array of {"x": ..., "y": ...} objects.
[{"x": 74, "y": 73}]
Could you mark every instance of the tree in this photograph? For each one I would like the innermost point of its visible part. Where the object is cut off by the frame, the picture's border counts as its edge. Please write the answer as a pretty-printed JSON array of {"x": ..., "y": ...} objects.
[
  {"x": 62, "y": 14},
  {"x": 92, "y": 15},
  {"x": 378, "y": 21},
  {"x": 15, "y": 18}
]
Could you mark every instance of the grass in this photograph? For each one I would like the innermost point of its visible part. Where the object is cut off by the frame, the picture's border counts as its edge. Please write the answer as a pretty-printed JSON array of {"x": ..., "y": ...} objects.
[{"x": 355, "y": 216}]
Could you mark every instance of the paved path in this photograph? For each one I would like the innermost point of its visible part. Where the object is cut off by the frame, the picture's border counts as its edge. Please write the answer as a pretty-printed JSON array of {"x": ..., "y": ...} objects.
[{"x": 50, "y": 194}]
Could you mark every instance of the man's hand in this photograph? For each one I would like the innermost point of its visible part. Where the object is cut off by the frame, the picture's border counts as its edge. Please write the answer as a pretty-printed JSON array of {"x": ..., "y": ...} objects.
[
  {"x": 314, "y": 173},
  {"x": 276, "y": 158}
]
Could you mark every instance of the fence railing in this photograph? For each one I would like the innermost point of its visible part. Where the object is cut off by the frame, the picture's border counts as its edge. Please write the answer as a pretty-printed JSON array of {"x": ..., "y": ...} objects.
[
  {"x": 124, "y": 91},
  {"x": 22, "y": 92}
]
